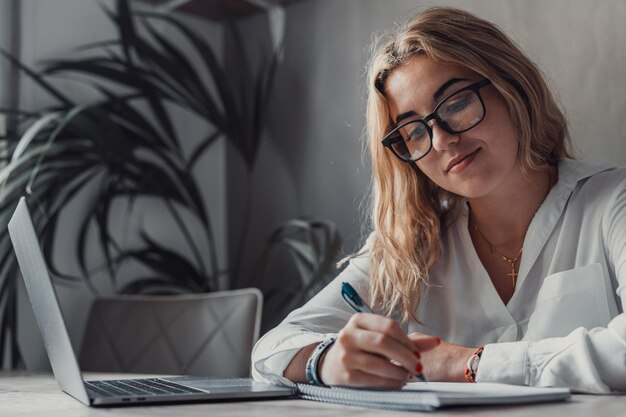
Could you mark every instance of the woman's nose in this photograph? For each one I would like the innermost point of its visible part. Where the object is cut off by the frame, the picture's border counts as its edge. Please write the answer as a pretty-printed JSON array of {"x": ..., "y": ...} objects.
[{"x": 442, "y": 139}]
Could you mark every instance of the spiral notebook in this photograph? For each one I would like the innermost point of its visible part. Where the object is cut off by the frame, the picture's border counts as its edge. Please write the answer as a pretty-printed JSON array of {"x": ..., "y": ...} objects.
[{"x": 429, "y": 396}]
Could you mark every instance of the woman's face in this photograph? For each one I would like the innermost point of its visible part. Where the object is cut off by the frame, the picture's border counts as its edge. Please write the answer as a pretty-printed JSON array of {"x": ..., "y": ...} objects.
[{"x": 475, "y": 163}]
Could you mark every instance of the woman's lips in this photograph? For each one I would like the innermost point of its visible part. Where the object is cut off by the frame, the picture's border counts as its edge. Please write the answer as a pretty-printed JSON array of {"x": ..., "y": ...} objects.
[{"x": 461, "y": 164}]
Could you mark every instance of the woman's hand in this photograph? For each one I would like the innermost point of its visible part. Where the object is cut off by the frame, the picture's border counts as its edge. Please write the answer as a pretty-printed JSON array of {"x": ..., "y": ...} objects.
[
  {"x": 447, "y": 362},
  {"x": 373, "y": 351}
]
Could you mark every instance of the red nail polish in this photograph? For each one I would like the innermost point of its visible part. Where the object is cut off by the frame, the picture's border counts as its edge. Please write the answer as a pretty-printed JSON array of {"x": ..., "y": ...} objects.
[
  {"x": 438, "y": 341},
  {"x": 417, "y": 355},
  {"x": 418, "y": 368}
]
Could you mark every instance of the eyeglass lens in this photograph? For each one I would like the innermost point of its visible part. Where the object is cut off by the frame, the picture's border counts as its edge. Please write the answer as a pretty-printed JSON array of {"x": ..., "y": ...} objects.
[{"x": 458, "y": 113}]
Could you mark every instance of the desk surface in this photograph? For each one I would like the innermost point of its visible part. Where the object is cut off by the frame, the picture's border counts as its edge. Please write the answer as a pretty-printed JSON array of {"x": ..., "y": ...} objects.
[{"x": 38, "y": 395}]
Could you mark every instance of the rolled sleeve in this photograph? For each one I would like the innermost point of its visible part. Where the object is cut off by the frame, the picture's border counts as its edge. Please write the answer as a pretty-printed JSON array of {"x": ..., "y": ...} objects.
[
  {"x": 505, "y": 363},
  {"x": 587, "y": 361}
]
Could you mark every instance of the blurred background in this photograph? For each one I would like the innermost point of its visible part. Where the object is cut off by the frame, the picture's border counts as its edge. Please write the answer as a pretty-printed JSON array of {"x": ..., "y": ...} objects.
[{"x": 308, "y": 161}]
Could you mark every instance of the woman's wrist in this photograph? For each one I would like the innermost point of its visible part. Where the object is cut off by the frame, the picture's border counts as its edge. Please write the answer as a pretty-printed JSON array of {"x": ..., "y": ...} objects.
[
  {"x": 460, "y": 363},
  {"x": 295, "y": 371}
]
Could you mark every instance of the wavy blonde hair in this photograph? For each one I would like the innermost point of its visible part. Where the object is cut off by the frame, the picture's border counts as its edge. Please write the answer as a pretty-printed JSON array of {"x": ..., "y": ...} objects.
[{"x": 409, "y": 213}]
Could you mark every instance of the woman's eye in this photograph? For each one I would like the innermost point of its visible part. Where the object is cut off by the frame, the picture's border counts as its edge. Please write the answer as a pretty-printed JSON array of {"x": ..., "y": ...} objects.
[
  {"x": 417, "y": 133},
  {"x": 458, "y": 105}
]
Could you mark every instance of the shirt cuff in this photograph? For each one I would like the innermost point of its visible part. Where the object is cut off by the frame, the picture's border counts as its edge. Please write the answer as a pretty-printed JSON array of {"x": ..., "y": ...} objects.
[
  {"x": 270, "y": 368},
  {"x": 505, "y": 363}
]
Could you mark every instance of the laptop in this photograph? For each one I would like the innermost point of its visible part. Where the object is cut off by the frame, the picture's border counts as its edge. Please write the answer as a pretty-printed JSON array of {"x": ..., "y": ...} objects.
[{"x": 109, "y": 392}]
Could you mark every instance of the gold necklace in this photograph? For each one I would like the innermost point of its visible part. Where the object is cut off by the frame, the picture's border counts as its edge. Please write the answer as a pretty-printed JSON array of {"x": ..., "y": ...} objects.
[{"x": 512, "y": 261}]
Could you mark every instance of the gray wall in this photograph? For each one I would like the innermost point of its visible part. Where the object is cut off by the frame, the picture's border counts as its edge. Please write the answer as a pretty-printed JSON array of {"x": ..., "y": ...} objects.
[{"x": 313, "y": 149}]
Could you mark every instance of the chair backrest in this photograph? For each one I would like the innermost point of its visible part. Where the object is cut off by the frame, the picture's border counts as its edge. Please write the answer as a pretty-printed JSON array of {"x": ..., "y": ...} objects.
[{"x": 199, "y": 334}]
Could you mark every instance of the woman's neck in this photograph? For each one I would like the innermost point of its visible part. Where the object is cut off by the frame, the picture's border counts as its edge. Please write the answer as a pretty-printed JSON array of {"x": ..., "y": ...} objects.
[{"x": 504, "y": 215}]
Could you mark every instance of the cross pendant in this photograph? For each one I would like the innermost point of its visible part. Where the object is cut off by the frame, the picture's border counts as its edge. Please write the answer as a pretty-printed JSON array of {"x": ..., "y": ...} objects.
[{"x": 513, "y": 275}]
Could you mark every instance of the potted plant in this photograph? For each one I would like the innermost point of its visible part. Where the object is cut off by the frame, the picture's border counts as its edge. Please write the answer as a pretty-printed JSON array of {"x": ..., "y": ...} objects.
[{"x": 124, "y": 146}]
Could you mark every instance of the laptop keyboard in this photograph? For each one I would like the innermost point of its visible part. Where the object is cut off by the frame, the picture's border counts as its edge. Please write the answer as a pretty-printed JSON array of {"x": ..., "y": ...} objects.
[{"x": 136, "y": 388}]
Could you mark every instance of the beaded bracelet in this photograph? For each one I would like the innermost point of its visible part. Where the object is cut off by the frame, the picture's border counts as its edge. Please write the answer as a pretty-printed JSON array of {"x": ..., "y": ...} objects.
[
  {"x": 312, "y": 374},
  {"x": 472, "y": 365}
]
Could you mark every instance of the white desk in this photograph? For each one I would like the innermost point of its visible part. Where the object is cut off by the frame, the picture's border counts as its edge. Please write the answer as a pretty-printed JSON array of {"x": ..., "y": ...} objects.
[{"x": 38, "y": 395}]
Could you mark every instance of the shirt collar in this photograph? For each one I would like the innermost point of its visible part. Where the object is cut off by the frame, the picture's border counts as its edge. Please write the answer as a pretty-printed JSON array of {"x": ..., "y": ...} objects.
[{"x": 571, "y": 172}]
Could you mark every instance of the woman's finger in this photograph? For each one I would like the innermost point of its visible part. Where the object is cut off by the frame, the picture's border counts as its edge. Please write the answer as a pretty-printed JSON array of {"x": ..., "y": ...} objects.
[
  {"x": 382, "y": 345},
  {"x": 380, "y": 324},
  {"x": 379, "y": 366},
  {"x": 424, "y": 342}
]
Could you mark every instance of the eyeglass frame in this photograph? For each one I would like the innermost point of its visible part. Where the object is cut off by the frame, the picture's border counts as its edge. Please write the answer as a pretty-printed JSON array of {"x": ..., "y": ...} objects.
[{"x": 475, "y": 87}]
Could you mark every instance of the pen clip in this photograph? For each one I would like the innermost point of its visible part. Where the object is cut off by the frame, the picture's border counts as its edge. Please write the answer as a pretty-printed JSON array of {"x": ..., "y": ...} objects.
[{"x": 352, "y": 298}]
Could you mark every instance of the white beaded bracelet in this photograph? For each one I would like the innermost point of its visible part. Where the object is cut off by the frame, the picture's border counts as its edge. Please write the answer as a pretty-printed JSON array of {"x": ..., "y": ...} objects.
[{"x": 312, "y": 375}]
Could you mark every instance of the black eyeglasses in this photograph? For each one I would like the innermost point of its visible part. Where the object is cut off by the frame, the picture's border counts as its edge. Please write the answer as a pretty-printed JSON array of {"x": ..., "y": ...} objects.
[{"x": 457, "y": 113}]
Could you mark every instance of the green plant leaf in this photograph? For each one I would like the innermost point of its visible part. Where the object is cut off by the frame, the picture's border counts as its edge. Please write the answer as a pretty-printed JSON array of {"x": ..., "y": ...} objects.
[
  {"x": 155, "y": 286},
  {"x": 215, "y": 70},
  {"x": 313, "y": 246},
  {"x": 38, "y": 79},
  {"x": 202, "y": 147},
  {"x": 33, "y": 131},
  {"x": 184, "y": 72}
]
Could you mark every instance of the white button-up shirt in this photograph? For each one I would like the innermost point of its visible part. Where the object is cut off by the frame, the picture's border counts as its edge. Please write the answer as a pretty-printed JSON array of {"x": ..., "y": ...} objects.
[{"x": 565, "y": 324}]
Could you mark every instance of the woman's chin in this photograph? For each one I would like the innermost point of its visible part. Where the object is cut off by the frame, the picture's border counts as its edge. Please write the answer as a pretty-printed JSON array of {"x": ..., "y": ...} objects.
[{"x": 472, "y": 190}]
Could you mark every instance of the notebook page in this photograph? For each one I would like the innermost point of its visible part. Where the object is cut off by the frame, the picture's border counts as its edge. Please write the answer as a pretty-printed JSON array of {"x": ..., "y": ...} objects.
[{"x": 482, "y": 388}]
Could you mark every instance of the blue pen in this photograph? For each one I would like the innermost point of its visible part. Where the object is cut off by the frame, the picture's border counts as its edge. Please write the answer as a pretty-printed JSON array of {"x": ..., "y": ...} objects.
[{"x": 354, "y": 300}]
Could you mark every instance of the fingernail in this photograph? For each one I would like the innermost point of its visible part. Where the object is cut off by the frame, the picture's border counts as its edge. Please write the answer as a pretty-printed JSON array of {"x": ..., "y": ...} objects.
[
  {"x": 438, "y": 340},
  {"x": 419, "y": 368},
  {"x": 417, "y": 355}
]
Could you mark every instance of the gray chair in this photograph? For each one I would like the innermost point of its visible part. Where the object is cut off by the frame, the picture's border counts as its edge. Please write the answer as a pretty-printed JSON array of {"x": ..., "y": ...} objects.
[{"x": 197, "y": 334}]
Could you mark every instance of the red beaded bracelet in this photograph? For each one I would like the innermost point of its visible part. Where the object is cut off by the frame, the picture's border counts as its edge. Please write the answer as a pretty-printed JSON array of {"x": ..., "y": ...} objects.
[{"x": 472, "y": 365}]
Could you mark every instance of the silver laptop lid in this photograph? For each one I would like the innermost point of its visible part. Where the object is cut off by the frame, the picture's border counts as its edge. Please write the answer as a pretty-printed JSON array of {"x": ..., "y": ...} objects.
[{"x": 45, "y": 305}]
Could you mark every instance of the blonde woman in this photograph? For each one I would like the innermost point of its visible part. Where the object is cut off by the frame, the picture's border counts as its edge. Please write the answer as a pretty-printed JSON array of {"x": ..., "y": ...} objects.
[{"x": 494, "y": 256}]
